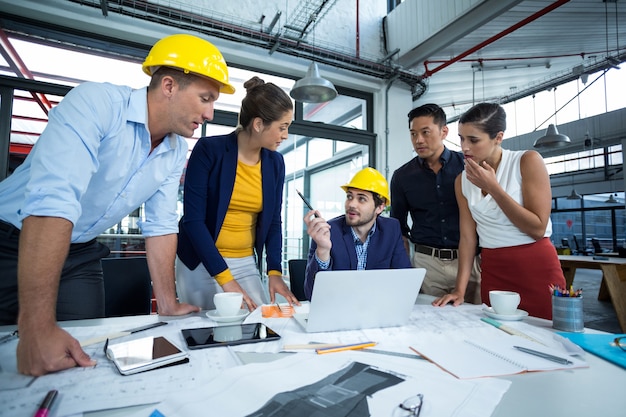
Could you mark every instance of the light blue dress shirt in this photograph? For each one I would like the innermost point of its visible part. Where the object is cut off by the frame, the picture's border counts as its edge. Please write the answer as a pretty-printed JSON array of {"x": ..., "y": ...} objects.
[{"x": 92, "y": 166}]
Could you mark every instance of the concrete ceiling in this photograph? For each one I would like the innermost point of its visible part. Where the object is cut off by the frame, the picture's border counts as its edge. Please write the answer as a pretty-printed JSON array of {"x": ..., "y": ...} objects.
[
  {"x": 489, "y": 54},
  {"x": 525, "y": 49}
]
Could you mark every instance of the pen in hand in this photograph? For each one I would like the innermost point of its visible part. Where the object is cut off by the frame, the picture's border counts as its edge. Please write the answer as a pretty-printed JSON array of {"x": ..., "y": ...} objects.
[
  {"x": 547, "y": 356},
  {"x": 46, "y": 404},
  {"x": 306, "y": 202}
]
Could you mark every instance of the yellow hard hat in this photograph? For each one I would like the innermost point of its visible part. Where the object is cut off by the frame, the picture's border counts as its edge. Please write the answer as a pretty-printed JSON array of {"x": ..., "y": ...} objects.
[
  {"x": 369, "y": 179},
  {"x": 191, "y": 54}
]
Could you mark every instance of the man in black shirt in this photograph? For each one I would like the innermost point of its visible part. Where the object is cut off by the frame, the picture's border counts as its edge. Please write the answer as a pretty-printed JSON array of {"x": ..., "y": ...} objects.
[{"x": 424, "y": 188}]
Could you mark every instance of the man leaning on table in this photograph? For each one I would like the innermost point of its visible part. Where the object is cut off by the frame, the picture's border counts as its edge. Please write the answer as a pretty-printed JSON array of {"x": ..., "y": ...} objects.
[
  {"x": 359, "y": 239},
  {"x": 106, "y": 150}
]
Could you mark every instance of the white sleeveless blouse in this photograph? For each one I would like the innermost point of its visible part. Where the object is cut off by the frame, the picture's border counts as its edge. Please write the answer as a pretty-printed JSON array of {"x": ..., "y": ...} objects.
[{"x": 494, "y": 229}]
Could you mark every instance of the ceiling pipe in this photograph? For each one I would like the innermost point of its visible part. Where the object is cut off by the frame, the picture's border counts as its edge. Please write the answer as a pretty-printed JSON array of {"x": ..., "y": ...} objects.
[
  {"x": 273, "y": 42},
  {"x": 496, "y": 37},
  {"x": 358, "y": 33}
]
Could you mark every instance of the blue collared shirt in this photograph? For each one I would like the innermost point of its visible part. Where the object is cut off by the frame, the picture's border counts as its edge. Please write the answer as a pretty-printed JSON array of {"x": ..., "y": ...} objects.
[
  {"x": 92, "y": 166},
  {"x": 360, "y": 247}
]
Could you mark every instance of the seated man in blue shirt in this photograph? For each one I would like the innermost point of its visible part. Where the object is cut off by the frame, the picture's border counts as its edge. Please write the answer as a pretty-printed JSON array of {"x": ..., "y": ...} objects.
[
  {"x": 360, "y": 239},
  {"x": 105, "y": 151}
]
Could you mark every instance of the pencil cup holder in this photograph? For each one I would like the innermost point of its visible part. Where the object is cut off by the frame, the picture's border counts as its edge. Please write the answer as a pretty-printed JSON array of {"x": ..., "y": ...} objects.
[{"x": 567, "y": 314}]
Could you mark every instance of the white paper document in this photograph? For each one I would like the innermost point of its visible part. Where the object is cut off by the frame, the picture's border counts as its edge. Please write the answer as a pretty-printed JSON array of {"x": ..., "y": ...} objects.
[
  {"x": 286, "y": 379},
  {"x": 493, "y": 356}
]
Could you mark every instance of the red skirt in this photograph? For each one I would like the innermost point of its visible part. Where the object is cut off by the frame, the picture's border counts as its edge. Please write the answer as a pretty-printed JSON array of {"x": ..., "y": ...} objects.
[{"x": 527, "y": 269}]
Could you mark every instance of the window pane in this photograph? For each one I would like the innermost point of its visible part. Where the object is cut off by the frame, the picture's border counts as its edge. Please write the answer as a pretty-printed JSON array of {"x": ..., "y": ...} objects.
[
  {"x": 342, "y": 111},
  {"x": 319, "y": 150},
  {"x": 293, "y": 223},
  {"x": 566, "y": 226}
]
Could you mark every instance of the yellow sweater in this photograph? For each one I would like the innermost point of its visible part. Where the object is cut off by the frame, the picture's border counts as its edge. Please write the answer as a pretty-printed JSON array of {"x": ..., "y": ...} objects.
[{"x": 237, "y": 235}]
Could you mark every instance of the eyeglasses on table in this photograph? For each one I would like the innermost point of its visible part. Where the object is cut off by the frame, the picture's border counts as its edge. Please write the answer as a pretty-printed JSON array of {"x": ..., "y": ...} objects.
[
  {"x": 412, "y": 406},
  {"x": 620, "y": 342}
]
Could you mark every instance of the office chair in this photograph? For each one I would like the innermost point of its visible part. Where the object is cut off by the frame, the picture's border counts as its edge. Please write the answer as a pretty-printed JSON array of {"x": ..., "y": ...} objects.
[
  {"x": 127, "y": 286},
  {"x": 597, "y": 248},
  {"x": 583, "y": 251},
  {"x": 297, "y": 269}
]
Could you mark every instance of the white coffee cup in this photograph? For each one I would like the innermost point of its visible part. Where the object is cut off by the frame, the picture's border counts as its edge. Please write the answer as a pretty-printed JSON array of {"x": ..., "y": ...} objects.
[
  {"x": 228, "y": 304},
  {"x": 504, "y": 302}
]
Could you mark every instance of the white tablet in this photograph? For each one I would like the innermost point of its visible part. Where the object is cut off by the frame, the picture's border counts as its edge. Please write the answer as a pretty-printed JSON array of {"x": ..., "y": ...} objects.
[{"x": 144, "y": 354}]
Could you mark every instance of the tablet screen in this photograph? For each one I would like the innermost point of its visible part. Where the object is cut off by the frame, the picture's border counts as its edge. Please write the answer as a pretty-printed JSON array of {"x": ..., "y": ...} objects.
[
  {"x": 228, "y": 335},
  {"x": 144, "y": 354}
]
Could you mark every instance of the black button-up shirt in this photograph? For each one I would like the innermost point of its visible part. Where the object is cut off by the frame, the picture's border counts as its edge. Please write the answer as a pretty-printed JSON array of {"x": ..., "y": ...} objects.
[{"x": 430, "y": 200}]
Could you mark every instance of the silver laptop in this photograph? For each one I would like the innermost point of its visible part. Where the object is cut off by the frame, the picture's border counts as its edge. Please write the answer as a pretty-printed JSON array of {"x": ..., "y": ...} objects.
[{"x": 352, "y": 300}]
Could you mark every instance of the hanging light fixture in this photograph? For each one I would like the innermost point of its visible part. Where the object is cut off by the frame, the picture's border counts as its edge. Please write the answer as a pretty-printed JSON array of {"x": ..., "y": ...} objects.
[
  {"x": 552, "y": 139},
  {"x": 611, "y": 200},
  {"x": 574, "y": 195},
  {"x": 313, "y": 88}
]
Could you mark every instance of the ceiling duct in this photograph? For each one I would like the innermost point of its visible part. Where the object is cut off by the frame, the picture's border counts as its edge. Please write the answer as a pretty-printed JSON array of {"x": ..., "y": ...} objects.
[{"x": 292, "y": 44}]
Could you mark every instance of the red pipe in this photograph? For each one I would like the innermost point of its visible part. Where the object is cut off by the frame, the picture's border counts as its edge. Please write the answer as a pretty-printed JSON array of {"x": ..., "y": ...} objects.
[
  {"x": 25, "y": 72},
  {"x": 494, "y": 38}
]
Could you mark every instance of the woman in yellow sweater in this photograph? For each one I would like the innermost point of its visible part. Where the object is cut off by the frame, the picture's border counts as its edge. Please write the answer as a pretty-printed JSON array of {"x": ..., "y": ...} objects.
[{"x": 232, "y": 205}]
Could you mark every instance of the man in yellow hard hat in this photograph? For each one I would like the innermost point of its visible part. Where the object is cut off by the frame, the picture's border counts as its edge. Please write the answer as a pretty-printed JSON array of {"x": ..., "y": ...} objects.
[
  {"x": 106, "y": 150},
  {"x": 359, "y": 239}
]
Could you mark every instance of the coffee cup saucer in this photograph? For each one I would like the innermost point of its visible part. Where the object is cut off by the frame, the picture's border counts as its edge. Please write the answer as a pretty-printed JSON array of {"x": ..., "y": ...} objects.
[
  {"x": 518, "y": 315},
  {"x": 213, "y": 315}
]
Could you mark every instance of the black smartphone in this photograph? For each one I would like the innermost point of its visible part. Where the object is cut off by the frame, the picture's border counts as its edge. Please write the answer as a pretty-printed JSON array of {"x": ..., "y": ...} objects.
[
  {"x": 237, "y": 334},
  {"x": 306, "y": 202}
]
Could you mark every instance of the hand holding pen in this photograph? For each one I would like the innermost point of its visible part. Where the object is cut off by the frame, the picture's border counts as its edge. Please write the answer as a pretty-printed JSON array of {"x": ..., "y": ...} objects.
[{"x": 306, "y": 202}]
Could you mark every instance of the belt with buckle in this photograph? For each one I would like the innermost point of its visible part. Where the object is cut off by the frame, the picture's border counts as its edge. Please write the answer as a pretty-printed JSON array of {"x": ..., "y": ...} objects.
[{"x": 443, "y": 254}]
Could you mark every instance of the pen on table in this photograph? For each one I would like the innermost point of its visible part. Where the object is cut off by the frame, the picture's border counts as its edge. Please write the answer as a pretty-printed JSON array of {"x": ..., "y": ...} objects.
[
  {"x": 341, "y": 348},
  {"x": 508, "y": 329},
  {"x": 46, "y": 404},
  {"x": 547, "y": 356},
  {"x": 8, "y": 337},
  {"x": 115, "y": 335},
  {"x": 312, "y": 346}
]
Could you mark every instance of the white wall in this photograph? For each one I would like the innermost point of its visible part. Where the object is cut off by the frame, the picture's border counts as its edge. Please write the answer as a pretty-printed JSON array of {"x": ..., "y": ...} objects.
[{"x": 392, "y": 127}]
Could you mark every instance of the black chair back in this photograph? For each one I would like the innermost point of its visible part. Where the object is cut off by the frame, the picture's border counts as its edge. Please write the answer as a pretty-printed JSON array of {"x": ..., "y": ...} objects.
[
  {"x": 597, "y": 248},
  {"x": 297, "y": 269},
  {"x": 127, "y": 286}
]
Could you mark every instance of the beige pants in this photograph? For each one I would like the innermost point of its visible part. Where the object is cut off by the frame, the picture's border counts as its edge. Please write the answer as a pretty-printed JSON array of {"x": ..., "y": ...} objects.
[{"x": 441, "y": 277}]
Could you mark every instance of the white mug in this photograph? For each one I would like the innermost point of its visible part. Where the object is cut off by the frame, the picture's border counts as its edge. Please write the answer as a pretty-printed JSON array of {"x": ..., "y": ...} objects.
[
  {"x": 228, "y": 304},
  {"x": 504, "y": 302}
]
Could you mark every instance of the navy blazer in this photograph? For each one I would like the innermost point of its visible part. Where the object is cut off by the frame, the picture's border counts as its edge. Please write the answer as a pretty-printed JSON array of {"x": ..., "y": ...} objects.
[
  {"x": 209, "y": 183},
  {"x": 385, "y": 250}
]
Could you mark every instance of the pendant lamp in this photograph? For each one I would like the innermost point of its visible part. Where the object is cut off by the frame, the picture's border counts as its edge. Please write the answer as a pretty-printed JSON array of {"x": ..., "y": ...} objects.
[
  {"x": 552, "y": 139},
  {"x": 313, "y": 88},
  {"x": 574, "y": 195},
  {"x": 611, "y": 200}
]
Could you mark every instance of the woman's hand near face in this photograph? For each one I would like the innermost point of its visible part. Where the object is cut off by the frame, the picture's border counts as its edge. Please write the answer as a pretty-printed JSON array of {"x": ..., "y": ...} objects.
[{"x": 483, "y": 176}]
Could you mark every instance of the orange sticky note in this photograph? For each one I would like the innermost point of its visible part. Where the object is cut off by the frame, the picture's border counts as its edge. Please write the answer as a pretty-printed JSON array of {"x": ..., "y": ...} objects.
[{"x": 272, "y": 311}]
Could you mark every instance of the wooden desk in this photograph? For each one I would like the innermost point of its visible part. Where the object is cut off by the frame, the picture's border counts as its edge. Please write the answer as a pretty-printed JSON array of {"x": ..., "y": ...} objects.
[{"x": 613, "y": 284}]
